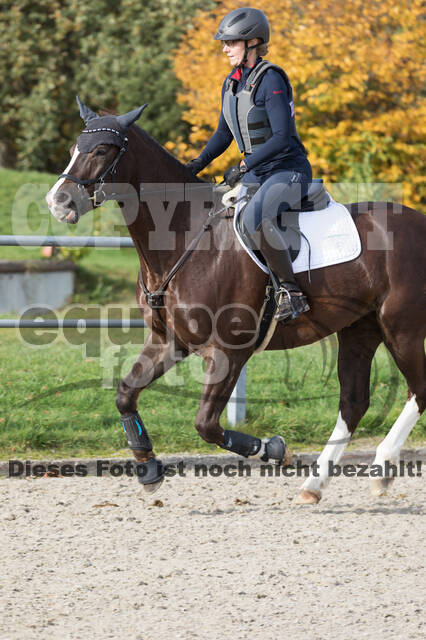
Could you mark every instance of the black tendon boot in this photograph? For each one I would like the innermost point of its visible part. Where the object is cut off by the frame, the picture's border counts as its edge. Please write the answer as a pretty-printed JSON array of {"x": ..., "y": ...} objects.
[{"x": 291, "y": 301}]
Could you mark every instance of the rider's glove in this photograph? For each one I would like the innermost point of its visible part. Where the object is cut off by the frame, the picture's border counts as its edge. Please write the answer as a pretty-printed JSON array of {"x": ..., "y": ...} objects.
[
  {"x": 195, "y": 166},
  {"x": 234, "y": 174}
]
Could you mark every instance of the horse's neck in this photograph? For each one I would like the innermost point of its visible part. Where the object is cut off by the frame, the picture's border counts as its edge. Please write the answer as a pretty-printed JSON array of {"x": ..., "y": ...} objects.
[{"x": 173, "y": 208}]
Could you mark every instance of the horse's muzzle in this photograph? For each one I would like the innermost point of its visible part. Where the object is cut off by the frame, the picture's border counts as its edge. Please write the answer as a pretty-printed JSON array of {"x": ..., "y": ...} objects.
[
  {"x": 68, "y": 204},
  {"x": 72, "y": 217}
]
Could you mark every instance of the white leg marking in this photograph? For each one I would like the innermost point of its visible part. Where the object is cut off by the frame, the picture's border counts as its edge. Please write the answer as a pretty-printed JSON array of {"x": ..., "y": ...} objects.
[
  {"x": 390, "y": 447},
  {"x": 50, "y": 196},
  {"x": 332, "y": 452}
]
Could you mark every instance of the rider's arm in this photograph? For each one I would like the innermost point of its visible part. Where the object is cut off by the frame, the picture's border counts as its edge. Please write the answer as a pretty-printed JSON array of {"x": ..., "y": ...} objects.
[
  {"x": 273, "y": 92},
  {"x": 219, "y": 141}
]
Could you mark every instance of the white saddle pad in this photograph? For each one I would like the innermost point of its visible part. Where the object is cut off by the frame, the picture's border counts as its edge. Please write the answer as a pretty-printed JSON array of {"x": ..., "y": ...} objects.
[{"x": 331, "y": 233}]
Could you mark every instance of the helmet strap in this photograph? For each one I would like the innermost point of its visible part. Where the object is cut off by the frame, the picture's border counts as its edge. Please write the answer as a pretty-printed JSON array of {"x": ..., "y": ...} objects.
[{"x": 246, "y": 50}]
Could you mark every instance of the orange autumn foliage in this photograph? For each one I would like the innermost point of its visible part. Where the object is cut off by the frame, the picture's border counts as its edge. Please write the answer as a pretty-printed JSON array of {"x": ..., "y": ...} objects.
[{"x": 358, "y": 80}]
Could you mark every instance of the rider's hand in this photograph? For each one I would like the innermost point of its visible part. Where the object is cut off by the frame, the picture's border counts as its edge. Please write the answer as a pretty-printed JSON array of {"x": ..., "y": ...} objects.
[
  {"x": 195, "y": 166},
  {"x": 234, "y": 174}
]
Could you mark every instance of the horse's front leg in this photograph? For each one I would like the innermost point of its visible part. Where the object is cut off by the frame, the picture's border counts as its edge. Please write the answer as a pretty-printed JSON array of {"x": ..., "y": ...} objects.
[
  {"x": 222, "y": 371},
  {"x": 157, "y": 356}
]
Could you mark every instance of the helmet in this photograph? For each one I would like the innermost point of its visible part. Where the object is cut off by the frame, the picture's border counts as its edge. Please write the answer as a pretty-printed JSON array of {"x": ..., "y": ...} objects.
[{"x": 243, "y": 24}]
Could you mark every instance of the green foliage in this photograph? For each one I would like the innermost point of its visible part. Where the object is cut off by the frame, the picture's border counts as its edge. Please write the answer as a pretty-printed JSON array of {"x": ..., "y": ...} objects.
[
  {"x": 12, "y": 200},
  {"x": 105, "y": 275},
  {"x": 115, "y": 55},
  {"x": 52, "y": 402},
  {"x": 24, "y": 211}
]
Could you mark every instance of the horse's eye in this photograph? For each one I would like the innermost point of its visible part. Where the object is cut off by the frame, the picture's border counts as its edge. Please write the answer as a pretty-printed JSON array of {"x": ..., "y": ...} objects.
[{"x": 100, "y": 152}]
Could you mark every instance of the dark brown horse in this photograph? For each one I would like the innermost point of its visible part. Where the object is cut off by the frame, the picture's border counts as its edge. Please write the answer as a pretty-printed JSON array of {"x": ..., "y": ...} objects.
[{"x": 212, "y": 304}]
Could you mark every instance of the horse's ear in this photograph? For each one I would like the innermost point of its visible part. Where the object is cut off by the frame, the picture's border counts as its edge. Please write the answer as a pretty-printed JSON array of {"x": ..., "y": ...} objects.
[
  {"x": 85, "y": 113},
  {"x": 129, "y": 118}
]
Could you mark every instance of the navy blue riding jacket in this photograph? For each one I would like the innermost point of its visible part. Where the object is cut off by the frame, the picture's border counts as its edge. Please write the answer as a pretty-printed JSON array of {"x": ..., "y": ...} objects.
[{"x": 281, "y": 151}]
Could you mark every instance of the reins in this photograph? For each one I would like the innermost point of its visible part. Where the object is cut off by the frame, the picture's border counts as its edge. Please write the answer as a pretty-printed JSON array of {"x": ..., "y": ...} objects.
[{"x": 155, "y": 299}]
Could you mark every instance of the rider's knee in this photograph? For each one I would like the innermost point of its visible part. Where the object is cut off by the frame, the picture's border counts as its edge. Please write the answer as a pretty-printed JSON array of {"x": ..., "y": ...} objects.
[{"x": 248, "y": 219}]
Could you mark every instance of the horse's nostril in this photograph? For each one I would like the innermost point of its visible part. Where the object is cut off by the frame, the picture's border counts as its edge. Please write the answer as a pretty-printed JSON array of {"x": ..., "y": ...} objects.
[{"x": 63, "y": 197}]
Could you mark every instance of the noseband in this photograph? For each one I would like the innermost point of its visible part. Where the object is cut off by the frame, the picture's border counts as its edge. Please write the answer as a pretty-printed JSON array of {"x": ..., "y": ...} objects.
[{"x": 111, "y": 169}]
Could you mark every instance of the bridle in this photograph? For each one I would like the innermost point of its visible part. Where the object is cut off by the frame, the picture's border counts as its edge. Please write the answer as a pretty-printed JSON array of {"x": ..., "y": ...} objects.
[{"x": 110, "y": 170}]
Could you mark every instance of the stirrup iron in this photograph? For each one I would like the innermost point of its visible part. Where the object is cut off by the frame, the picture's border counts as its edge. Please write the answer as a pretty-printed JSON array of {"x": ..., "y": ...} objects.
[{"x": 290, "y": 304}]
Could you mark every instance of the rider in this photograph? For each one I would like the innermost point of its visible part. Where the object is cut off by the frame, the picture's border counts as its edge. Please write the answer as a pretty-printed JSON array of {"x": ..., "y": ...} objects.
[{"x": 258, "y": 111}]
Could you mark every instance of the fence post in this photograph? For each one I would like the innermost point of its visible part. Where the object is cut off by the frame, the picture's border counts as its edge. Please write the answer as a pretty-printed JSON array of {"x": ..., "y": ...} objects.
[{"x": 236, "y": 408}]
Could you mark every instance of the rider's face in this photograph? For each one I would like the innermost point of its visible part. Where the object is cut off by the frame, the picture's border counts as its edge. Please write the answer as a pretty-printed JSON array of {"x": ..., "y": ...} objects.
[{"x": 234, "y": 49}]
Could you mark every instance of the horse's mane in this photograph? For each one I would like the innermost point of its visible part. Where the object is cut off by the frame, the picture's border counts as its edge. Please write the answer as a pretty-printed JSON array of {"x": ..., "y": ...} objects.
[{"x": 145, "y": 138}]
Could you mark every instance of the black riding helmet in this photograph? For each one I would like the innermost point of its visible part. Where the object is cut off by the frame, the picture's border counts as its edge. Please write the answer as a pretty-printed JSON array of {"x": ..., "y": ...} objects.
[{"x": 244, "y": 24}]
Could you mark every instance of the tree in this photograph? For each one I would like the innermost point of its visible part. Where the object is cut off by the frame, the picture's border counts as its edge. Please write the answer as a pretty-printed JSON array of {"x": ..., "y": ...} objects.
[
  {"x": 115, "y": 54},
  {"x": 358, "y": 80}
]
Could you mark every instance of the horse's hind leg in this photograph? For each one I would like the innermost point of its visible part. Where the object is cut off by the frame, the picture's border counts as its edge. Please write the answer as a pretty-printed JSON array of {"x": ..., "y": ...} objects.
[
  {"x": 404, "y": 336},
  {"x": 157, "y": 356},
  {"x": 222, "y": 371},
  {"x": 357, "y": 346}
]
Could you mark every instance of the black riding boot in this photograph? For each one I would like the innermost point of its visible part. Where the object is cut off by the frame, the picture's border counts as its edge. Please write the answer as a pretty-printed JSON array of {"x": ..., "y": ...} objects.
[{"x": 291, "y": 301}]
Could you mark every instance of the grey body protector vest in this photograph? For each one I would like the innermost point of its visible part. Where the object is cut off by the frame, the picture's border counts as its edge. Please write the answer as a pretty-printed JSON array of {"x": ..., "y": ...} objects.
[{"x": 248, "y": 123}]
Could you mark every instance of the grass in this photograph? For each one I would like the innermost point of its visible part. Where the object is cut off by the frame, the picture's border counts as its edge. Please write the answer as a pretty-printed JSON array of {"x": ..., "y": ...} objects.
[
  {"x": 105, "y": 275},
  {"x": 53, "y": 404}
]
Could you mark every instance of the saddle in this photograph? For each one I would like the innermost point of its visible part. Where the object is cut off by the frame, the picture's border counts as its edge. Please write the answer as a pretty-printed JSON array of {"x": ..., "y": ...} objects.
[{"x": 316, "y": 199}]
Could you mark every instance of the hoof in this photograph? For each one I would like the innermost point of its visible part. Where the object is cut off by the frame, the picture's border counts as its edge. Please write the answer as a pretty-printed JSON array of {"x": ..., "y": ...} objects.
[
  {"x": 308, "y": 497},
  {"x": 287, "y": 458},
  {"x": 379, "y": 486},
  {"x": 154, "y": 486}
]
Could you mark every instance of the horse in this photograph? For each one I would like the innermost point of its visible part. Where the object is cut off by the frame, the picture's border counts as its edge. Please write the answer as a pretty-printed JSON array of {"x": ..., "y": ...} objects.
[{"x": 206, "y": 297}]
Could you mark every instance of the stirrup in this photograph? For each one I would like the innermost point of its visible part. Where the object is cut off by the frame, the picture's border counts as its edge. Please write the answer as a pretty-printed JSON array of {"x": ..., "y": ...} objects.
[{"x": 290, "y": 304}]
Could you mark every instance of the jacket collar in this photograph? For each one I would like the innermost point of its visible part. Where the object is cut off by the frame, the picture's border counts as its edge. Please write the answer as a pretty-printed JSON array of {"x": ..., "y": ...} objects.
[{"x": 237, "y": 74}]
